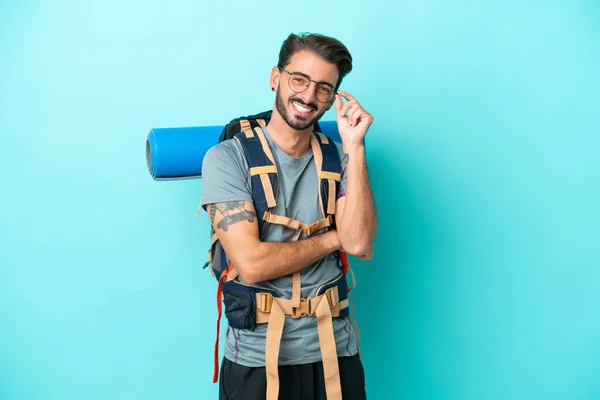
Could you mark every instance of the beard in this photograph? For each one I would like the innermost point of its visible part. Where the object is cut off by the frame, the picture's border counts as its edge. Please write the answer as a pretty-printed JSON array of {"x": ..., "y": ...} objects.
[{"x": 297, "y": 123}]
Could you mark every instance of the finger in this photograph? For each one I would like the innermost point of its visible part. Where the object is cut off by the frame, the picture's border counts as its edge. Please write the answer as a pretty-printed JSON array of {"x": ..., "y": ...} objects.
[
  {"x": 354, "y": 115},
  {"x": 338, "y": 103},
  {"x": 347, "y": 106},
  {"x": 345, "y": 95}
]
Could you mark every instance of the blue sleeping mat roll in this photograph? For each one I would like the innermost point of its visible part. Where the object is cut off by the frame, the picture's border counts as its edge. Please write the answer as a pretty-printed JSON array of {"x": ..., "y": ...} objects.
[{"x": 177, "y": 153}]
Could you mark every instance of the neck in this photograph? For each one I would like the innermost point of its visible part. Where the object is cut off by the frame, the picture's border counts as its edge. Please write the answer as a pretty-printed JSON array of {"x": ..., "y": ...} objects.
[{"x": 292, "y": 142}]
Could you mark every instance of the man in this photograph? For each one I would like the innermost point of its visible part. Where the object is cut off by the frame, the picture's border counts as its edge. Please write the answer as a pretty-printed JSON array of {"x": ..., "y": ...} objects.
[{"x": 306, "y": 80}]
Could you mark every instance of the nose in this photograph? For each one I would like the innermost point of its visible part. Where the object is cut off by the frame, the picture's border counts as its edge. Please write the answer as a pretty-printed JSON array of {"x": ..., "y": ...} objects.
[{"x": 310, "y": 94}]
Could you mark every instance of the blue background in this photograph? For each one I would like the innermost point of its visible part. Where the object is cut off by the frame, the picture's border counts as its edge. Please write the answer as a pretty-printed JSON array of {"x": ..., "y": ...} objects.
[{"x": 485, "y": 282}]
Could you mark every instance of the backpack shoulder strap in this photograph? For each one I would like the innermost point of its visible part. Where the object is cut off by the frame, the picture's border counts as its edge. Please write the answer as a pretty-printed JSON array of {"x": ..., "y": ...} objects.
[
  {"x": 263, "y": 172},
  {"x": 245, "y": 123},
  {"x": 329, "y": 169}
]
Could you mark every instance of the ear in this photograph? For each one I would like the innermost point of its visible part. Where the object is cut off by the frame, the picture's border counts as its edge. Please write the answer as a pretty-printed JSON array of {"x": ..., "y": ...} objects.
[{"x": 275, "y": 75}]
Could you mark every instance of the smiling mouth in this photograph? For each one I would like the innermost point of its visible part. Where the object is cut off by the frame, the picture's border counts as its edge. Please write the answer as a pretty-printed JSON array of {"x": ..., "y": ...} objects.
[{"x": 301, "y": 108}]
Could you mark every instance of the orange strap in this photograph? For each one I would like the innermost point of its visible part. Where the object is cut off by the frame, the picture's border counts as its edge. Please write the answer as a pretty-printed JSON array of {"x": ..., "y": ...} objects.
[{"x": 219, "y": 312}]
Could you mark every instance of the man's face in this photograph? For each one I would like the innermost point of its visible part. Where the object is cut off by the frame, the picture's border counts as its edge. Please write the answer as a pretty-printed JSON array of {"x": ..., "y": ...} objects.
[{"x": 301, "y": 110}]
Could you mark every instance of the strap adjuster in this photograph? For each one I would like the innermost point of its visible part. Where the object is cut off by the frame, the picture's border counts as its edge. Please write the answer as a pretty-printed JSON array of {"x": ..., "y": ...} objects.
[
  {"x": 312, "y": 228},
  {"x": 267, "y": 216},
  {"x": 264, "y": 302},
  {"x": 332, "y": 296}
]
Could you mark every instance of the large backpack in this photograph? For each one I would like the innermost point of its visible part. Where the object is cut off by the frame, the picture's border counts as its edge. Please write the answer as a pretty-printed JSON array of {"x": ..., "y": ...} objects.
[{"x": 248, "y": 305}]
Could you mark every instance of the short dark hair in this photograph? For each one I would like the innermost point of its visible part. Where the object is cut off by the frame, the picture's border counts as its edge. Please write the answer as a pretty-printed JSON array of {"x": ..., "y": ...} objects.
[{"x": 326, "y": 47}]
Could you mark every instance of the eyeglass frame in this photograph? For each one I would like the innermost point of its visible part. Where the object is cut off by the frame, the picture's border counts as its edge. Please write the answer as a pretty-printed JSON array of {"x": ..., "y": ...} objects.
[{"x": 333, "y": 88}]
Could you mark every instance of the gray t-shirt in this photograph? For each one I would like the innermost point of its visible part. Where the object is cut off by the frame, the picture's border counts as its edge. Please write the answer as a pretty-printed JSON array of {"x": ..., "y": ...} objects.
[{"x": 225, "y": 178}]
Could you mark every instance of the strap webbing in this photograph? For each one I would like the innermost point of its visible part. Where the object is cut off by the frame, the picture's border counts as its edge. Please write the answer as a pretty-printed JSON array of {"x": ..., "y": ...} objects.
[
  {"x": 318, "y": 155},
  {"x": 219, "y": 312},
  {"x": 308, "y": 306},
  {"x": 333, "y": 388},
  {"x": 268, "y": 188},
  {"x": 297, "y": 225},
  {"x": 331, "y": 175},
  {"x": 323, "y": 138},
  {"x": 274, "y": 332},
  {"x": 245, "y": 125},
  {"x": 265, "y": 144},
  {"x": 332, "y": 199},
  {"x": 264, "y": 177},
  {"x": 296, "y": 283},
  {"x": 279, "y": 308},
  {"x": 267, "y": 169}
]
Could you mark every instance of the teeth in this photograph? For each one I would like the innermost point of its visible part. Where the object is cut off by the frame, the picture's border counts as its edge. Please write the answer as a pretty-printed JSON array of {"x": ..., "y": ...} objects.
[{"x": 300, "y": 108}]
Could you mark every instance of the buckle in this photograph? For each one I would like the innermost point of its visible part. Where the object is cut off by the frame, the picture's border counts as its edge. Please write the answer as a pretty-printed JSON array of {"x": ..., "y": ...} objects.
[
  {"x": 315, "y": 226},
  {"x": 332, "y": 297},
  {"x": 267, "y": 216},
  {"x": 305, "y": 309},
  {"x": 265, "y": 303}
]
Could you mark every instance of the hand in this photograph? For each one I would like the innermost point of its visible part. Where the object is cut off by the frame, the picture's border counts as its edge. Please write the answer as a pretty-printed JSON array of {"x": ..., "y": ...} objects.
[{"x": 353, "y": 121}]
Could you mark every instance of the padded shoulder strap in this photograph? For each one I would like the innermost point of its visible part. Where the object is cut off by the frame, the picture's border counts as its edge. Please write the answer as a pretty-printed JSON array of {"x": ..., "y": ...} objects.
[
  {"x": 244, "y": 123},
  {"x": 329, "y": 168},
  {"x": 263, "y": 172}
]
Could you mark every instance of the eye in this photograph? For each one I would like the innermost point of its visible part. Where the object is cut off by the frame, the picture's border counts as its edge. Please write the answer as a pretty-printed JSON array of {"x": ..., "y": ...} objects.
[
  {"x": 299, "y": 79},
  {"x": 325, "y": 89}
]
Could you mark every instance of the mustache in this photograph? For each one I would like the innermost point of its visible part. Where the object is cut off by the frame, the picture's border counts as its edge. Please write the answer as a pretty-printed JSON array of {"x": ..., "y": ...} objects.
[{"x": 300, "y": 101}]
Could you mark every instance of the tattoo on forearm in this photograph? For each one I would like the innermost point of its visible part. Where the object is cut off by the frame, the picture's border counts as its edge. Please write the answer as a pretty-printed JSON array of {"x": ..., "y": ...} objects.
[
  {"x": 213, "y": 212},
  {"x": 232, "y": 212}
]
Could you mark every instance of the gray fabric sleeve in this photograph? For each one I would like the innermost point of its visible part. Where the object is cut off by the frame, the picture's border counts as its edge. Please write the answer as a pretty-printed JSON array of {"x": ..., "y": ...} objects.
[
  {"x": 224, "y": 175},
  {"x": 344, "y": 161}
]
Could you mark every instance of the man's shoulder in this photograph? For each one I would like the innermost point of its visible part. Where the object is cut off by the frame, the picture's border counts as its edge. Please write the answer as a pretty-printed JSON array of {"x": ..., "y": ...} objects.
[
  {"x": 224, "y": 151},
  {"x": 225, "y": 157}
]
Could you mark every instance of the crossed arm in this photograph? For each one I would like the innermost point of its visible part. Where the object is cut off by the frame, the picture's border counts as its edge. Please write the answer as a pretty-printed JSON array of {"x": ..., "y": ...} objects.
[{"x": 236, "y": 225}]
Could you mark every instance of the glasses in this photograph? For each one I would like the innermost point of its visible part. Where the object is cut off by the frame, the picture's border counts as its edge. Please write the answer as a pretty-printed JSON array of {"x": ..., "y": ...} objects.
[{"x": 299, "y": 82}]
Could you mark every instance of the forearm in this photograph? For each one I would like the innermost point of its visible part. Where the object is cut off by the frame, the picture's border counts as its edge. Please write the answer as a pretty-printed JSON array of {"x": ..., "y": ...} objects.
[
  {"x": 272, "y": 260},
  {"x": 358, "y": 224}
]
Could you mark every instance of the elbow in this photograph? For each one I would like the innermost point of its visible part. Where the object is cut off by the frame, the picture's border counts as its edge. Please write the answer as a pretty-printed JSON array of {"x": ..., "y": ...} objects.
[
  {"x": 247, "y": 272},
  {"x": 249, "y": 278},
  {"x": 356, "y": 248}
]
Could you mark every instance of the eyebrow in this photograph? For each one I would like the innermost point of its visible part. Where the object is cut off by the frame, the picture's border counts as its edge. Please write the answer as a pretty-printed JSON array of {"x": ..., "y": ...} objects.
[{"x": 308, "y": 77}]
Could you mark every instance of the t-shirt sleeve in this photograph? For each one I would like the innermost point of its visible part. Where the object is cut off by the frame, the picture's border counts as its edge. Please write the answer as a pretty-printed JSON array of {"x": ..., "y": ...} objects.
[
  {"x": 344, "y": 161},
  {"x": 224, "y": 175}
]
